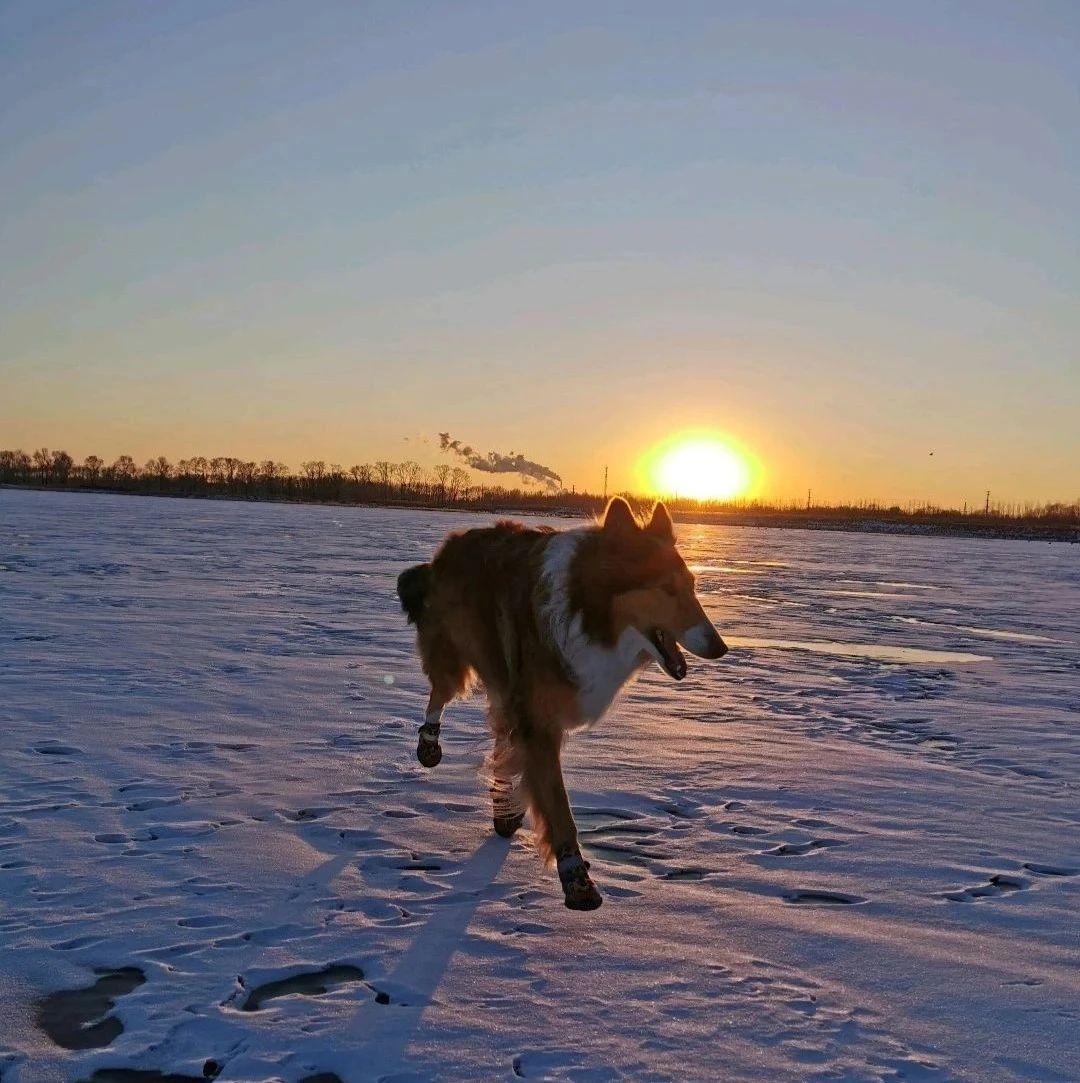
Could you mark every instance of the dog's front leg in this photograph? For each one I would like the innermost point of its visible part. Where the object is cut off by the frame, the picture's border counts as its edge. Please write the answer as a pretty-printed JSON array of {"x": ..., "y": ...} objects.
[
  {"x": 428, "y": 749},
  {"x": 556, "y": 830}
]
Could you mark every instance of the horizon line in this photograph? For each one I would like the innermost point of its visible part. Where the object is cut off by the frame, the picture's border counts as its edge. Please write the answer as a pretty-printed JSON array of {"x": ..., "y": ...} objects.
[{"x": 410, "y": 476}]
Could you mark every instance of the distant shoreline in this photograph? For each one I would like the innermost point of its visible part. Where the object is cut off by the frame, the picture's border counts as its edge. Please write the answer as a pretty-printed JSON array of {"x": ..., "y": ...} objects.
[{"x": 911, "y": 524}]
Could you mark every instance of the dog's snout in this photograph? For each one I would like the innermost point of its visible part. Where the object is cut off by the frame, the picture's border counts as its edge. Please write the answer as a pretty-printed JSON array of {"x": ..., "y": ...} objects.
[
  {"x": 704, "y": 641},
  {"x": 716, "y": 647}
]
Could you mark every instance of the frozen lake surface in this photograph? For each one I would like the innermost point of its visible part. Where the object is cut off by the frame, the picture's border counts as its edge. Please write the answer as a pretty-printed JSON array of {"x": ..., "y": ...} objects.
[{"x": 848, "y": 851}]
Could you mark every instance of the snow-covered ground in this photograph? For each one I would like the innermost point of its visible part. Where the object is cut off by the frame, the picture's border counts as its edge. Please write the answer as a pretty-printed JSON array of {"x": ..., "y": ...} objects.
[{"x": 848, "y": 851}]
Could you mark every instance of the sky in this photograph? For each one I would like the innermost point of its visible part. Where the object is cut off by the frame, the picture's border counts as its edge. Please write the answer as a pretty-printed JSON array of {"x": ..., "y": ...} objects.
[{"x": 846, "y": 235}]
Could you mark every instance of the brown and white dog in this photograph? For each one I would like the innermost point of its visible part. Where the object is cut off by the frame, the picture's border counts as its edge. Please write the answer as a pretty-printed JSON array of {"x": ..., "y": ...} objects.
[{"x": 553, "y": 624}]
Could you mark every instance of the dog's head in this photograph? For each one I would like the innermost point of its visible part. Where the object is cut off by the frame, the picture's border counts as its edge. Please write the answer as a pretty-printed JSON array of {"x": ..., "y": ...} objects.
[{"x": 644, "y": 585}]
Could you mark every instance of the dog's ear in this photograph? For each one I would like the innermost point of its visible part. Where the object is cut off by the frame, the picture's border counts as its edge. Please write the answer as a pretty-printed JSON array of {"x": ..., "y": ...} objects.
[
  {"x": 660, "y": 524},
  {"x": 618, "y": 516}
]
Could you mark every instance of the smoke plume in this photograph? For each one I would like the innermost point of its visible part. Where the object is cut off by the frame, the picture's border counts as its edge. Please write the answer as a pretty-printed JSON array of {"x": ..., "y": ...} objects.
[{"x": 494, "y": 463}]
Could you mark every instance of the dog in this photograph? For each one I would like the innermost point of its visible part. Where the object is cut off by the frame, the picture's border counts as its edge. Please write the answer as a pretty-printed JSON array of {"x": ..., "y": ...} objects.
[{"x": 552, "y": 624}]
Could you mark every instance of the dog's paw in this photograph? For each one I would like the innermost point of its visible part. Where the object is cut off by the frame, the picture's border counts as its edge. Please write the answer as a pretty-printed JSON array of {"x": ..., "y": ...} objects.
[
  {"x": 505, "y": 826},
  {"x": 582, "y": 896},
  {"x": 429, "y": 753},
  {"x": 579, "y": 890},
  {"x": 428, "y": 749}
]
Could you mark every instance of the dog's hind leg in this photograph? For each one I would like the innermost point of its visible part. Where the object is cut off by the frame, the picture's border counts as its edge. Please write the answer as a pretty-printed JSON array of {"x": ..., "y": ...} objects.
[
  {"x": 556, "y": 830},
  {"x": 507, "y": 810},
  {"x": 507, "y": 815},
  {"x": 448, "y": 676}
]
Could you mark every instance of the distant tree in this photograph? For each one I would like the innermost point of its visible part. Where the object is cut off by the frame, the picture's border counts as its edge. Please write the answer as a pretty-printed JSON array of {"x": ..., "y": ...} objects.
[
  {"x": 223, "y": 470},
  {"x": 124, "y": 469},
  {"x": 160, "y": 469},
  {"x": 396, "y": 476},
  {"x": 62, "y": 463},
  {"x": 411, "y": 474},
  {"x": 227, "y": 469},
  {"x": 200, "y": 469},
  {"x": 43, "y": 465},
  {"x": 384, "y": 473},
  {"x": 91, "y": 468},
  {"x": 314, "y": 471},
  {"x": 441, "y": 480},
  {"x": 270, "y": 471},
  {"x": 459, "y": 483},
  {"x": 13, "y": 466},
  {"x": 246, "y": 472},
  {"x": 23, "y": 465}
]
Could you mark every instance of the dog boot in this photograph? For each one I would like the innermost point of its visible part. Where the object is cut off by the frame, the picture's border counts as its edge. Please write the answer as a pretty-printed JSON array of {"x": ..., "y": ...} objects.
[
  {"x": 428, "y": 749},
  {"x": 580, "y": 891},
  {"x": 506, "y": 813},
  {"x": 507, "y": 824}
]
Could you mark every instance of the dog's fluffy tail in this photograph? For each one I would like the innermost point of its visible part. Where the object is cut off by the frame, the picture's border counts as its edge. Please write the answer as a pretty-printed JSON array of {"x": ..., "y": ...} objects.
[{"x": 412, "y": 587}]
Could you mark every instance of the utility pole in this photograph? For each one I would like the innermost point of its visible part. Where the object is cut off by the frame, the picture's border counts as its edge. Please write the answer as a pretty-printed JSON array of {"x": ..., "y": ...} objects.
[
  {"x": 605, "y": 484},
  {"x": 807, "y": 499},
  {"x": 986, "y": 510}
]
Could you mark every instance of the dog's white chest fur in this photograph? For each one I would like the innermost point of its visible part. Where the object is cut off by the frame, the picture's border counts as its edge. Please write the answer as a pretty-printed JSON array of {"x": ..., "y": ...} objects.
[{"x": 599, "y": 671}]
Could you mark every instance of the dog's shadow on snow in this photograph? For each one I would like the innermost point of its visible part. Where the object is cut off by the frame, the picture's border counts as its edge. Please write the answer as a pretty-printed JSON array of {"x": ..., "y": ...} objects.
[{"x": 394, "y": 1016}]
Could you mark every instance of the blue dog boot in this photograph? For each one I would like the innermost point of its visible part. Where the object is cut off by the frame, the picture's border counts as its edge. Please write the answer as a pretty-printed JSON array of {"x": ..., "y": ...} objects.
[{"x": 579, "y": 890}]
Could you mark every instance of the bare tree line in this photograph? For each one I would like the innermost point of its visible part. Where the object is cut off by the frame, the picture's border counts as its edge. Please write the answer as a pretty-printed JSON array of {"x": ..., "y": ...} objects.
[
  {"x": 409, "y": 483},
  {"x": 378, "y": 482}
]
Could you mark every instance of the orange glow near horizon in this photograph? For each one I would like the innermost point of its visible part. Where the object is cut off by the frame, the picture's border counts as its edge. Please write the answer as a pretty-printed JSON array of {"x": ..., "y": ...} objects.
[{"x": 701, "y": 466}]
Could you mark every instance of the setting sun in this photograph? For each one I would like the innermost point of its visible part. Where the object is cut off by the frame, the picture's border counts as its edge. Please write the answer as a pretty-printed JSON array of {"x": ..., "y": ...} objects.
[{"x": 702, "y": 467}]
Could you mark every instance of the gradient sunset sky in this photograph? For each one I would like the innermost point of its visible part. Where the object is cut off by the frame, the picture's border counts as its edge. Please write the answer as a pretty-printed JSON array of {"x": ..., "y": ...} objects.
[{"x": 846, "y": 234}]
